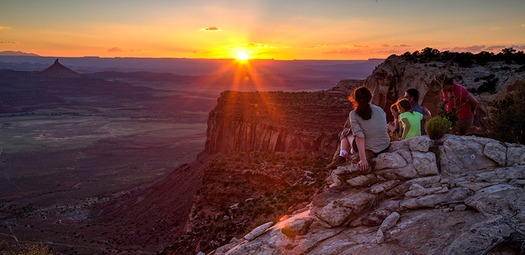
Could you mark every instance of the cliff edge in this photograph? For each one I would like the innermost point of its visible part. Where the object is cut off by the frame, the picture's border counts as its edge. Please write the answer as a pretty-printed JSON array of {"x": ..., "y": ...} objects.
[
  {"x": 457, "y": 195},
  {"x": 425, "y": 196}
]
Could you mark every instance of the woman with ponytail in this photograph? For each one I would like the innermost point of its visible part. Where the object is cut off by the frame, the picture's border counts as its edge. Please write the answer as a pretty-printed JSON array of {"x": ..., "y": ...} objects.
[{"x": 368, "y": 126}]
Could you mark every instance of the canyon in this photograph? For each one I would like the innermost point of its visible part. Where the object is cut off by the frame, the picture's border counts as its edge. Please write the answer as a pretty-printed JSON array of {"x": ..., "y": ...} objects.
[
  {"x": 259, "y": 183},
  {"x": 332, "y": 206}
]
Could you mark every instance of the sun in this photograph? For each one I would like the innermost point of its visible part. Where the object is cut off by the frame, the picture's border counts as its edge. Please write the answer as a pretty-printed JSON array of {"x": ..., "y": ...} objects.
[{"x": 242, "y": 55}]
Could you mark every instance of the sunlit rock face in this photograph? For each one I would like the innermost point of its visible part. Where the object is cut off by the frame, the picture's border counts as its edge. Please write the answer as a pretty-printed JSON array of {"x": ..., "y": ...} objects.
[
  {"x": 278, "y": 121},
  {"x": 458, "y": 195},
  {"x": 395, "y": 75}
]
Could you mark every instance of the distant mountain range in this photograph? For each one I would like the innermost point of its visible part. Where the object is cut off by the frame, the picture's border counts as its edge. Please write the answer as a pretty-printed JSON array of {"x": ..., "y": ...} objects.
[
  {"x": 334, "y": 70},
  {"x": 17, "y": 54}
]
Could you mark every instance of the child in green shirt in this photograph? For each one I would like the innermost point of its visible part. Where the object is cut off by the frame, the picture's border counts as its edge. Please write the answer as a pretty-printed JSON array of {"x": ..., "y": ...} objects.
[{"x": 410, "y": 119}]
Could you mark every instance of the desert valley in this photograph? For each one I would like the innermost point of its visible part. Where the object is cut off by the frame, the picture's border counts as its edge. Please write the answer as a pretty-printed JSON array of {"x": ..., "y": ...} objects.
[
  {"x": 233, "y": 161},
  {"x": 73, "y": 140},
  {"x": 214, "y": 127}
]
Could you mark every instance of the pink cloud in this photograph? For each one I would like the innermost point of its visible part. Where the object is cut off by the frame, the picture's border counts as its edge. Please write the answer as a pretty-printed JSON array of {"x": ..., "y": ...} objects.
[
  {"x": 344, "y": 51},
  {"x": 115, "y": 49},
  {"x": 211, "y": 29}
]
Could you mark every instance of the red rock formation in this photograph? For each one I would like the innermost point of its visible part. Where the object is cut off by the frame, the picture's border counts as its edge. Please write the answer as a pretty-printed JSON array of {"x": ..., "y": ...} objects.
[
  {"x": 391, "y": 79},
  {"x": 278, "y": 121}
]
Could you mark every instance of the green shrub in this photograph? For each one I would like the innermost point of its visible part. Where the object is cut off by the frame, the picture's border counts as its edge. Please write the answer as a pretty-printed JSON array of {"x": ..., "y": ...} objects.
[
  {"x": 437, "y": 126},
  {"x": 507, "y": 118}
]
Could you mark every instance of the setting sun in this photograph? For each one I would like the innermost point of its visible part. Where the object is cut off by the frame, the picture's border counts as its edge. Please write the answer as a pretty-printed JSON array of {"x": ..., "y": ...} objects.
[{"x": 242, "y": 56}]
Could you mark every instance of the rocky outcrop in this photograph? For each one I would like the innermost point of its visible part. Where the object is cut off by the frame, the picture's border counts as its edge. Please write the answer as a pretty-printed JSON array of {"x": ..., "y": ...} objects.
[
  {"x": 278, "y": 121},
  {"x": 458, "y": 195},
  {"x": 391, "y": 79},
  {"x": 415, "y": 187},
  {"x": 59, "y": 70}
]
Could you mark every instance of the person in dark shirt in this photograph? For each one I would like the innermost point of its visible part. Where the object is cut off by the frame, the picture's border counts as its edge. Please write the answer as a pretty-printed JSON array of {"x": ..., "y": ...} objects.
[{"x": 412, "y": 95}]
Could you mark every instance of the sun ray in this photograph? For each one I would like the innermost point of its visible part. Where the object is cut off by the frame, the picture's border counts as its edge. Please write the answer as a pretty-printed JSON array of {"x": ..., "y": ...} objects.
[{"x": 242, "y": 55}]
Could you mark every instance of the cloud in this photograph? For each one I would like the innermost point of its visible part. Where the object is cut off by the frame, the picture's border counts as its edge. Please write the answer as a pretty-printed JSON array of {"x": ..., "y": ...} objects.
[
  {"x": 490, "y": 48},
  {"x": 115, "y": 49},
  {"x": 251, "y": 45},
  {"x": 9, "y": 42},
  {"x": 260, "y": 45},
  {"x": 522, "y": 25},
  {"x": 211, "y": 29},
  {"x": 4, "y": 27},
  {"x": 344, "y": 51},
  {"x": 403, "y": 45},
  {"x": 474, "y": 48},
  {"x": 119, "y": 50},
  {"x": 319, "y": 46},
  {"x": 348, "y": 49},
  {"x": 494, "y": 47}
]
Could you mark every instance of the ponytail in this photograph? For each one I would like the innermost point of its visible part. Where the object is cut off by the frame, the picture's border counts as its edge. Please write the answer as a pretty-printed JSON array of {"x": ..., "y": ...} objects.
[{"x": 361, "y": 97}]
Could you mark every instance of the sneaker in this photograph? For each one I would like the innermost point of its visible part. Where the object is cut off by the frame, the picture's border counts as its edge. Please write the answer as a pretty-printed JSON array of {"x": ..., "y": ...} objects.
[{"x": 337, "y": 162}]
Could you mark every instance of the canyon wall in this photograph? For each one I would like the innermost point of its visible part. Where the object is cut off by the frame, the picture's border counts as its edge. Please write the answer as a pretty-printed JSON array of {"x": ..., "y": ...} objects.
[
  {"x": 279, "y": 121},
  {"x": 351, "y": 204},
  {"x": 419, "y": 183}
]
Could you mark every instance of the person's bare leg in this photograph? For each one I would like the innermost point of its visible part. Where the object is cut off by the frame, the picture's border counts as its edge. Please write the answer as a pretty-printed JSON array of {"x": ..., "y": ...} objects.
[
  {"x": 349, "y": 140},
  {"x": 345, "y": 145}
]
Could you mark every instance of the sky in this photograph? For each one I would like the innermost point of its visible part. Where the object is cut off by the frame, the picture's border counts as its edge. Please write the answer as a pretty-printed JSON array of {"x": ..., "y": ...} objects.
[{"x": 263, "y": 29}]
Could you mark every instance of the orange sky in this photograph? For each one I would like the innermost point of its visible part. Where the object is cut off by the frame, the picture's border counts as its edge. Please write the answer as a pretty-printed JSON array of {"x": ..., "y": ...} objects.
[{"x": 284, "y": 29}]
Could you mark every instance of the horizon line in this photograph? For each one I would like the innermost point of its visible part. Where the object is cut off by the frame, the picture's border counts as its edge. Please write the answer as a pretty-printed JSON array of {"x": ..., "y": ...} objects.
[{"x": 24, "y": 54}]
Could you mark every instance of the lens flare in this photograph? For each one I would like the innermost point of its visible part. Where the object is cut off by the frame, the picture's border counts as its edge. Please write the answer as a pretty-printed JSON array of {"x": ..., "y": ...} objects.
[{"x": 242, "y": 56}]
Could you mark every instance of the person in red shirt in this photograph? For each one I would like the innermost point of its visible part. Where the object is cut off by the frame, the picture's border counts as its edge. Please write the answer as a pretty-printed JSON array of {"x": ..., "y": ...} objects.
[{"x": 456, "y": 97}]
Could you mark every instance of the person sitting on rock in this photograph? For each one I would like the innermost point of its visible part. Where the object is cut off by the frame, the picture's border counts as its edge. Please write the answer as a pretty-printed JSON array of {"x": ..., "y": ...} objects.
[
  {"x": 394, "y": 129},
  {"x": 368, "y": 126},
  {"x": 369, "y": 131},
  {"x": 409, "y": 119}
]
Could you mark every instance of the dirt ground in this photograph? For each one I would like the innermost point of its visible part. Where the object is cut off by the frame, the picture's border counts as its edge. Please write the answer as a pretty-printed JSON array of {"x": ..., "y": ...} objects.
[{"x": 54, "y": 168}]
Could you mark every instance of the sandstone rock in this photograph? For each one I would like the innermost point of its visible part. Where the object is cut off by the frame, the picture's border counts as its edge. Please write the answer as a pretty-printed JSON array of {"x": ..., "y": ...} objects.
[
  {"x": 419, "y": 143},
  {"x": 516, "y": 155},
  {"x": 383, "y": 186},
  {"x": 258, "y": 231},
  {"x": 362, "y": 180},
  {"x": 403, "y": 173},
  {"x": 497, "y": 152},
  {"x": 389, "y": 160},
  {"x": 500, "y": 200},
  {"x": 461, "y": 211},
  {"x": 390, "y": 221},
  {"x": 460, "y": 155},
  {"x": 425, "y": 163},
  {"x": 425, "y": 181},
  {"x": 297, "y": 226},
  {"x": 341, "y": 207}
]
